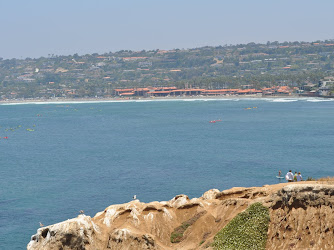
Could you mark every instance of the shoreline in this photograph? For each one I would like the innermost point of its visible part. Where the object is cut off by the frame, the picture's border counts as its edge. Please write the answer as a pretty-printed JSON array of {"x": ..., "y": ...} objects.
[{"x": 120, "y": 99}]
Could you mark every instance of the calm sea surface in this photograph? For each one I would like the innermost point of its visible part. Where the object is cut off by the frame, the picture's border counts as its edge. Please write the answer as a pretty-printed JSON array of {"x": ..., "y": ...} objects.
[{"x": 61, "y": 158}]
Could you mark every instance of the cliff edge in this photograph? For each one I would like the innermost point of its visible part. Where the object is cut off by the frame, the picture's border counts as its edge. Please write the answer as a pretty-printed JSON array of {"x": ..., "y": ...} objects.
[{"x": 301, "y": 217}]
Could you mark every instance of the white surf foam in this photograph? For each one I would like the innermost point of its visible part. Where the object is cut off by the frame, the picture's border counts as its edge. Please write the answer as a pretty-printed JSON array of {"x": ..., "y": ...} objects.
[
  {"x": 319, "y": 100},
  {"x": 307, "y": 99},
  {"x": 65, "y": 102},
  {"x": 284, "y": 100}
]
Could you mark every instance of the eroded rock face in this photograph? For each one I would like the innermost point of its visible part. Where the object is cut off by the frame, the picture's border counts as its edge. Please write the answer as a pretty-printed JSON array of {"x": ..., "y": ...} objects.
[
  {"x": 302, "y": 217},
  {"x": 300, "y": 214},
  {"x": 71, "y": 234}
]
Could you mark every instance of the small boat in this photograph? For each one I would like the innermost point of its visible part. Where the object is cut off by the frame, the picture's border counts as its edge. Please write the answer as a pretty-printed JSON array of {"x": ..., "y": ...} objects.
[{"x": 212, "y": 121}]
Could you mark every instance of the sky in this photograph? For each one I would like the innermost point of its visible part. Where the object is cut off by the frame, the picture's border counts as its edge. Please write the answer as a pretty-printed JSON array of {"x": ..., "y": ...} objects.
[{"x": 35, "y": 28}]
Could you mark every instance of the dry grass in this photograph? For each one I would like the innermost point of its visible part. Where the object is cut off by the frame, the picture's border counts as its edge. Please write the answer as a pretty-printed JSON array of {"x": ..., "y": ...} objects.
[{"x": 327, "y": 180}]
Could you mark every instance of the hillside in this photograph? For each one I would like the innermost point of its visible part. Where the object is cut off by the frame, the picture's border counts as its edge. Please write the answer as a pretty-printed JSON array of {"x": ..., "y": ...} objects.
[
  {"x": 293, "y": 64},
  {"x": 301, "y": 216}
]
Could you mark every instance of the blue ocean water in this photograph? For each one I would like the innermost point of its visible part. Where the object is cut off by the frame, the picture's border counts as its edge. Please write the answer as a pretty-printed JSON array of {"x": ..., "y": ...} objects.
[{"x": 64, "y": 157}]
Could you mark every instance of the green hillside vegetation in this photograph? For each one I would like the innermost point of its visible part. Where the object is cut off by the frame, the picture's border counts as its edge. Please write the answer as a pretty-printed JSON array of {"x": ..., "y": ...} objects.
[
  {"x": 248, "y": 230},
  {"x": 230, "y": 66}
]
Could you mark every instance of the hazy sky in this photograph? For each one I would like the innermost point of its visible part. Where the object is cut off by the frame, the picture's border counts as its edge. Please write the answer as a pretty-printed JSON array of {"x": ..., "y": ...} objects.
[{"x": 34, "y": 28}]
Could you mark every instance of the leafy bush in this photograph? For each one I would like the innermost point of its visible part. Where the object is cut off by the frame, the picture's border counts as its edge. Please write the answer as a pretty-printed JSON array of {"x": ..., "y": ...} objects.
[{"x": 248, "y": 230}]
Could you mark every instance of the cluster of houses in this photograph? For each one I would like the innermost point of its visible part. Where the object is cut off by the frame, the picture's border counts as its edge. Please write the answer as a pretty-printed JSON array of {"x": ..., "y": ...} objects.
[
  {"x": 325, "y": 88},
  {"x": 173, "y": 91}
]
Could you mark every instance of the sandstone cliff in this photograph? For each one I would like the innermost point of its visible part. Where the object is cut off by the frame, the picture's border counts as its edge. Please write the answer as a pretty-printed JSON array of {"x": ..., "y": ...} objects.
[{"x": 301, "y": 217}]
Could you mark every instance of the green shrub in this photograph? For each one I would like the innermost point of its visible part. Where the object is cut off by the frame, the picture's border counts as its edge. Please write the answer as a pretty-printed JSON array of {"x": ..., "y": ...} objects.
[
  {"x": 248, "y": 230},
  {"x": 177, "y": 235}
]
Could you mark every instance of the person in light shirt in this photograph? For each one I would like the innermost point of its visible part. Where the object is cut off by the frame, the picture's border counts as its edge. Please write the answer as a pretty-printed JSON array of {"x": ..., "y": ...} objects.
[
  {"x": 299, "y": 177},
  {"x": 289, "y": 176}
]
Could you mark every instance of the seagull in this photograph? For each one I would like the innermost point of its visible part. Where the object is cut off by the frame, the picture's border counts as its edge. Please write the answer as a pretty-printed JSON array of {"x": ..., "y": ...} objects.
[
  {"x": 81, "y": 211},
  {"x": 40, "y": 224},
  {"x": 135, "y": 197}
]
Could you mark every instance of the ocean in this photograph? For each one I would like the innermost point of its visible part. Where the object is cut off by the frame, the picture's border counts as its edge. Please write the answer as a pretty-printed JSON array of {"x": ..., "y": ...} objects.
[{"x": 60, "y": 158}]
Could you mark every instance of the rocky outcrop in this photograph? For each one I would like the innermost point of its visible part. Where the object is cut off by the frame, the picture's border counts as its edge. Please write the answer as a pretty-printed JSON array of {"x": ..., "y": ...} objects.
[{"x": 300, "y": 217}]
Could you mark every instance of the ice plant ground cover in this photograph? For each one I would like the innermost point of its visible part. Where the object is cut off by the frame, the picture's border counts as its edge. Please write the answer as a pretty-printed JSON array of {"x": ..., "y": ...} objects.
[{"x": 248, "y": 230}]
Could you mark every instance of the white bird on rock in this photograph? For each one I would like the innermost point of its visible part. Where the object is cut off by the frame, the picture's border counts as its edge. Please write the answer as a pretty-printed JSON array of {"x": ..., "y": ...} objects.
[
  {"x": 81, "y": 212},
  {"x": 40, "y": 224},
  {"x": 135, "y": 197}
]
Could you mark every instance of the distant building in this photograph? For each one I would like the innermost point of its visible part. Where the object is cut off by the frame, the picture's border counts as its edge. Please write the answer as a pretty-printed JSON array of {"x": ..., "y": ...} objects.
[
  {"x": 325, "y": 86},
  {"x": 327, "y": 81},
  {"x": 324, "y": 91}
]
